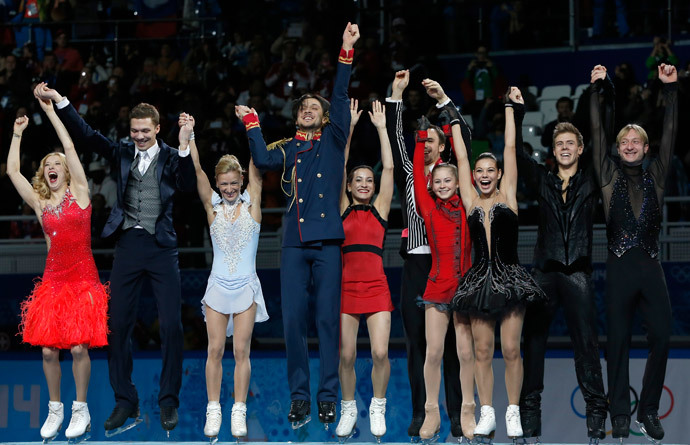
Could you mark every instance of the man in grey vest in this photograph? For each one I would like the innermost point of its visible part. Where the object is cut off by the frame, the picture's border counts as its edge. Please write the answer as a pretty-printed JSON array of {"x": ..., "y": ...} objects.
[{"x": 149, "y": 174}]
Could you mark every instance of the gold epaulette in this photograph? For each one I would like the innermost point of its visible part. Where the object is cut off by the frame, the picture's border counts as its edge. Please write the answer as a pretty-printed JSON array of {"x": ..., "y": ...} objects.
[{"x": 278, "y": 144}]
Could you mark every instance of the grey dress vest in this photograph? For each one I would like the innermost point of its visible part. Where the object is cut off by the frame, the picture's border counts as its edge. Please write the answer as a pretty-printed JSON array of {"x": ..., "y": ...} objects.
[{"x": 142, "y": 198}]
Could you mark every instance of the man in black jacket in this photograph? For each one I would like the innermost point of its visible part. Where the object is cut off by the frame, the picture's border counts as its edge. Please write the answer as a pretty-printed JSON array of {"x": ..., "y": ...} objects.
[{"x": 563, "y": 267}]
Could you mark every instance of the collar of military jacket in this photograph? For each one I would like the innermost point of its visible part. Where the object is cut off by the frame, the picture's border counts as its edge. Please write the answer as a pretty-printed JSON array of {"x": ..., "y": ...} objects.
[{"x": 302, "y": 135}]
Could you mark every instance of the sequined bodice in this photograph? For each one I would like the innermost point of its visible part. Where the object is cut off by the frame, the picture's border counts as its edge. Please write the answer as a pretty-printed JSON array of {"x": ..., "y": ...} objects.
[
  {"x": 234, "y": 242},
  {"x": 623, "y": 230},
  {"x": 68, "y": 227},
  {"x": 504, "y": 234}
]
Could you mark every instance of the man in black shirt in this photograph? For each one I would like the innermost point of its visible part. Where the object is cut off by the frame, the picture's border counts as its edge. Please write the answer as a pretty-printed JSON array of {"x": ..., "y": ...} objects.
[{"x": 562, "y": 267}]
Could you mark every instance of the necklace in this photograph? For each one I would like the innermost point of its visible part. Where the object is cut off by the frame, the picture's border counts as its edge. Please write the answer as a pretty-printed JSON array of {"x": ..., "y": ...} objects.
[{"x": 230, "y": 208}]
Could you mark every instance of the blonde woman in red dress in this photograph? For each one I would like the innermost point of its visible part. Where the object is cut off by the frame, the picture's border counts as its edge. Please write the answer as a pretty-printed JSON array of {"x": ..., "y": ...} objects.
[{"x": 68, "y": 306}]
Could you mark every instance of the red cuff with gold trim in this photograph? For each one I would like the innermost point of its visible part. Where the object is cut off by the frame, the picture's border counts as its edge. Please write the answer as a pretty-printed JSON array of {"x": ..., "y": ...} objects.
[
  {"x": 250, "y": 120},
  {"x": 346, "y": 56}
]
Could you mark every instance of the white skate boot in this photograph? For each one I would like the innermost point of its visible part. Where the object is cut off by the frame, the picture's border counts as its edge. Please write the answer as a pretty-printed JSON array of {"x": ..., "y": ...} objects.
[
  {"x": 238, "y": 420},
  {"x": 513, "y": 425},
  {"x": 214, "y": 417},
  {"x": 486, "y": 427},
  {"x": 377, "y": 418},
  {"x": 53, "y": 424},
  {"x": 348, "y": 420},
  {"x": 79, "y": 424}
]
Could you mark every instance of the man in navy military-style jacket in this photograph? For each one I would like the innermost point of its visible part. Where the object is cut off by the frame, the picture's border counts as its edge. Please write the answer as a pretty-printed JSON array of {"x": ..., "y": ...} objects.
[
  {"x": 312, "y": 164},
  {"x": 149, "y": 173}
]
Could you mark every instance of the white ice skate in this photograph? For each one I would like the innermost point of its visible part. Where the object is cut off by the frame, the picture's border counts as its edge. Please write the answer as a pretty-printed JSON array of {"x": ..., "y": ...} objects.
[
  {"x": 377, "y": 418},
  {"x": 348, "y": 420},
  {"x": 51, "y": 427},
  {"x": 238, "y": 420},
  {"x": 79, "y": 424},
  {"x": 214, "y": 417},
  {"x": 486, "y": 427},
  {"x": 513, "y": 425}
]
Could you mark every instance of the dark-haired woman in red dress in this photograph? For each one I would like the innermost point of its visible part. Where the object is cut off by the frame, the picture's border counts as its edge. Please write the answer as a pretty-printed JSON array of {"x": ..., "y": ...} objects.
[{"x": 364, "y": 285}]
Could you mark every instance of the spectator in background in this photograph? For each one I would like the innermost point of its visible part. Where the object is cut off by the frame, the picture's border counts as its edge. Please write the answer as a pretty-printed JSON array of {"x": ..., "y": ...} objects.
[
  {"x": 102, "y": 184},
  {"x": 69, "y": 59},
  {"x": 565, "y": 108},
  {"x": 481, "y": 73},
  {"x": 287, "y": 75},
  {"x": 25, "y": 229},
  {"x": 33, "y": 12},
  {"x": 48, "y": 72},
  {"x": 167, "y": 67},
  {"x": 10, "y": 202},
  {"x": 661, "y": 53}
]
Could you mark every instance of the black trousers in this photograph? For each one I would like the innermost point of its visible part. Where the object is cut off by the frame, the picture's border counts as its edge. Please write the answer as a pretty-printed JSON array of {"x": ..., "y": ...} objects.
[
  {"x": 415, "y": 273},
  {"x": 574, "y": 292},
  {"x": 138, "y": 257},
  {"x": 636, "y": 280}
]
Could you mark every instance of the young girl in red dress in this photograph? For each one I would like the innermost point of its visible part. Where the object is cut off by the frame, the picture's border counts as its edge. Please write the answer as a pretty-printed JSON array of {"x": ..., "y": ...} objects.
[
  {"x": 364, "y": 284},
  {"x": 444, "y": 218},
  {"x": 68, "y": 306}
]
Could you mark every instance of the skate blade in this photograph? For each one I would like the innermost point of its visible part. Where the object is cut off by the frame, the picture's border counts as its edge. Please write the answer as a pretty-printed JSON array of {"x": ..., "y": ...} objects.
[
  {"x": 49, "y": 439},
  {"x": 430, "y": 440},
  {"x": 343, "y": 439},
  {"x": 485, "y": 439},
  {"x": 212, "y": 440},
  {"x": 123, "y": 428},
  {"x": 79, "y": 439},
  {"x": 536, "y": 440},
  {"x": 646, "y": 435},
  {"x": 300, "y": 423},
  {"x": 415, "y": 439}
]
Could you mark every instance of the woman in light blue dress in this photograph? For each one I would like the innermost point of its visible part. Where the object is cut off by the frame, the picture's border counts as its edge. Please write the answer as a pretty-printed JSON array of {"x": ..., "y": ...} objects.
[{"x": 233, "y": 301}]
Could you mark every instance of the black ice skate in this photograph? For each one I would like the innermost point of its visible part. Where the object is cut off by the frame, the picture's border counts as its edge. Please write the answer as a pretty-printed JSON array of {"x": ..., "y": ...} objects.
[{"x": 299, "y": 414}]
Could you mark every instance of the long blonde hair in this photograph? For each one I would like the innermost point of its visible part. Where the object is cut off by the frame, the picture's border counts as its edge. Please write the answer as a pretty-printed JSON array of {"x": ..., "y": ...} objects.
[{"x": 39, "y": 182}]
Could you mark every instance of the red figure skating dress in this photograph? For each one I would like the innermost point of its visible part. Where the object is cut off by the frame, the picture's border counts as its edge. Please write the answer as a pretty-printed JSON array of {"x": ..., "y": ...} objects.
[
  {"x": 69, "y": 305},
  {"x": 364, "y": 287}
]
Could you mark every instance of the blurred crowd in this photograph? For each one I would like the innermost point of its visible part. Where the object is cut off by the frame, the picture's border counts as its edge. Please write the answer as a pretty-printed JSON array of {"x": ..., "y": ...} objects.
[{"x": 265, "y": 55}]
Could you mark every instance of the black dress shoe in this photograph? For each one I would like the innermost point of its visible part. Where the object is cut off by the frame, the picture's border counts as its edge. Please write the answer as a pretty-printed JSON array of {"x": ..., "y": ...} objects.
[
  {"x": 120, "y": 415},
  {"x": 596, "y": 426},
  {"x": 326, "y": 412},
  {"x": 299, "y": 409},
  {"x": 652, "y": 425},
  {"x": 415, "y": 425},
  {"x": 455, "y": 425},
  {"x": 168, "y": 417},
  {"x": 621, "y": 426}
]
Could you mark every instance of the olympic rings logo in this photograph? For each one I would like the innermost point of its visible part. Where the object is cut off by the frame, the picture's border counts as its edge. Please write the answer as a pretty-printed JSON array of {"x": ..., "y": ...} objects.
[{"x": 633, "y": 405}]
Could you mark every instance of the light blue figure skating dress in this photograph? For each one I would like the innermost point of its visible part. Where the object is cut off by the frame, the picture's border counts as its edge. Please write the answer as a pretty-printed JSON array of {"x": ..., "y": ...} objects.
[{"x": 233, "y": 284}]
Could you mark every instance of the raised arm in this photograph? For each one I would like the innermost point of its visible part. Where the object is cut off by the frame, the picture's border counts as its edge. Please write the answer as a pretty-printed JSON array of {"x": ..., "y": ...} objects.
[
  {"x": 83, "y": 135},
  {"x": 462, "y": 157},
  {"x": 20, "y": 183},
  {"x": 203, "y": 186},
  {"x": 659, "y": 168},
  {"x": 421, "y": 191},
  {"x": 339, "y": 113},
  {"x": 254, "y": 188},
  {"x": 354, "y": 118},
  {"x": 78, "y": 184},
  {"x": 603, "y": 166},
  {"x": 509, "y": 180},
  {"x": 387, "y": 186},
  {"x": 264, "y": 158},
  {"x": 402, "y": 165}
]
